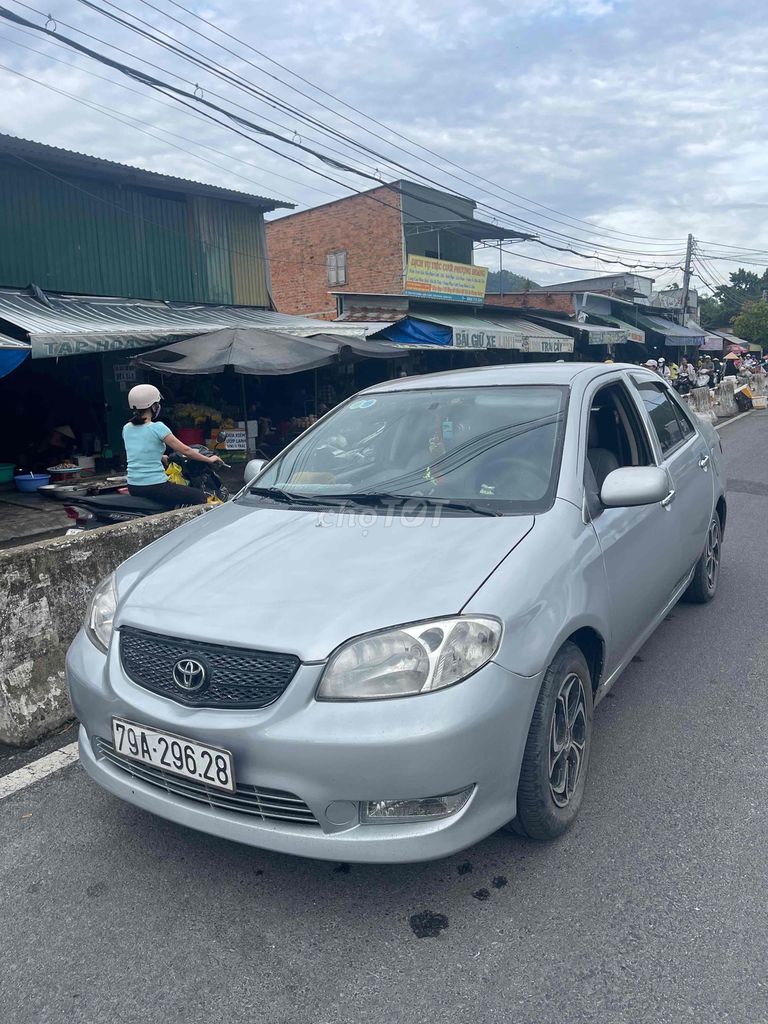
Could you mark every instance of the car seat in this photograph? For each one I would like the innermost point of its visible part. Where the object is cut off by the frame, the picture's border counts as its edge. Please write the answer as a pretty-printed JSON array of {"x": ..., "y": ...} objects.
[{"x": 602, "y": 460}]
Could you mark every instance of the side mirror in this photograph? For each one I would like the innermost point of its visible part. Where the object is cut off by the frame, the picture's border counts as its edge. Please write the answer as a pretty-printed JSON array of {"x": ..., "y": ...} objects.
[
  {"x": 253, "y": 468},
  {"x": 634, "y": 485}
]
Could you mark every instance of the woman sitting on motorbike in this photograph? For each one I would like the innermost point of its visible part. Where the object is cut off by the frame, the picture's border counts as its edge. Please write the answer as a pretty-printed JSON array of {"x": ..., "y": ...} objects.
[{"x": 145, "y": 439}]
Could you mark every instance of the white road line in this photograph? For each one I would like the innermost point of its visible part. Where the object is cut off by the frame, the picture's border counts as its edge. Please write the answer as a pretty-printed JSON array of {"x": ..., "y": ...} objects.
[
  {"x": 37, "y": 770},
  {"x": 733, "y": 419}
]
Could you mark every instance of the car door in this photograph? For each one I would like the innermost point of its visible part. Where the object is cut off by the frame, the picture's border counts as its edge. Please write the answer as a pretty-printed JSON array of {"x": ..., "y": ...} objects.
[
  {"x": 637, "y": 544},
  {"x": 685, "y": 455}
]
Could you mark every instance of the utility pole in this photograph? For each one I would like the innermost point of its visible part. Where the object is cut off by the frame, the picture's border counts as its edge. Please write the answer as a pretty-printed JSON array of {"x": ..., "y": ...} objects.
[{"x": 686, "y": 277}]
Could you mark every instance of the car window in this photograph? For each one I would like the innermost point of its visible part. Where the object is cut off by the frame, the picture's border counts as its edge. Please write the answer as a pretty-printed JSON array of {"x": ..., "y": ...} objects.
[
  {"x": 686, "y": 424},
  {"x": 616, "y": 438},
  {"x": 667, "y": 424},
  {"x": 494, "y": 446}
]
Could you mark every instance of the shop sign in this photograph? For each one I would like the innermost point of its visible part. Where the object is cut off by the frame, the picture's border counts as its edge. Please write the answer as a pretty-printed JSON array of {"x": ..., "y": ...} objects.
[
  {"x": 73, "y": 345},
  {"x": 235, "y": 440},
  {"x": 480, "y": 339},
  {"x": 126, "y": 375},
  {"x": 441, "y": 279}
]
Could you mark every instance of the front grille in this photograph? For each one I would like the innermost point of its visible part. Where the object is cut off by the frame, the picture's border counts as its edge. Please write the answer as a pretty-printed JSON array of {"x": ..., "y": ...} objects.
[
  {"x": 235, "y": 677},
  {"x": 266, "y": 804}
]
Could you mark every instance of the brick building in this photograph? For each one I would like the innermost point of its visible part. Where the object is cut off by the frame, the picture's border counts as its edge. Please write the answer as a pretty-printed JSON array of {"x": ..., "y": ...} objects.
[{"x": 361, "y": 244}]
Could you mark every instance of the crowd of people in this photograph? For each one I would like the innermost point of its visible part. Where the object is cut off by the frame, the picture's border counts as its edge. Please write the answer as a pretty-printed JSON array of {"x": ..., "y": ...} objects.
[{"x": 708, "y": 369}]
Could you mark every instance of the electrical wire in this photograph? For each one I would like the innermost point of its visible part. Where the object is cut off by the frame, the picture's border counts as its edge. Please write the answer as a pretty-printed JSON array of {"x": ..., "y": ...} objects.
[
  {"x": 189, "y": 99},
  {"x": 206, "y": 62},
  {"x": 607, "y": 232}
]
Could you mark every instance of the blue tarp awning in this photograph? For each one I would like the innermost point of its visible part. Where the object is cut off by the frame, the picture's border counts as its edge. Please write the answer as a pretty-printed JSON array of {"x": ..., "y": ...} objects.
[{"x": 12, "y": 354}]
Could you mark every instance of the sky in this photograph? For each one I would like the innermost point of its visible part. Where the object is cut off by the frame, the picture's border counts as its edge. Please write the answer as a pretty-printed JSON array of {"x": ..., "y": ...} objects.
[{"x": 591, "y": 123}]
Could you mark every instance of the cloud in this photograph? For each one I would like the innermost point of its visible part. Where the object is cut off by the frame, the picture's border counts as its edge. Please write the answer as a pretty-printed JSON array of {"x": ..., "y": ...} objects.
[{"x": 639, "y": 118}]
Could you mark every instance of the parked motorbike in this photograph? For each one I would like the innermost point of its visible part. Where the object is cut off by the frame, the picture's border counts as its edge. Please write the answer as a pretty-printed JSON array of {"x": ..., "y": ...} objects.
[{"x": 91, "y": 512}]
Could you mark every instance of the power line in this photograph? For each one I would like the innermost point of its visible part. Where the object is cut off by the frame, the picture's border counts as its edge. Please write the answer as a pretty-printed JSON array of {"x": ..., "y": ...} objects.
[
  {"x": 170, "y": 106},
  {"x": 189, "y": 99},
  {"x": 238, "y": 81},
  {"x": 368, "y": 117}
]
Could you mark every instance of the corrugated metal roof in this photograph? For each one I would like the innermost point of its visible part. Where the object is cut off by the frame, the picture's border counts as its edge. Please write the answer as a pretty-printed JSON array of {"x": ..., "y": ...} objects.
[
  {"x": 684, "y": 335},
  {"x": 59, "y": 325},
  {"x": 82, "y": 163},
  {"x": 598, "y": 334},
  {"x": 511, "y": 332}
]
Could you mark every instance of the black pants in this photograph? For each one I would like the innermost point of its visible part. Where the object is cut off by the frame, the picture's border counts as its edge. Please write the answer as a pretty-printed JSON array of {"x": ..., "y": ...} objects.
[{"x": 170, "y": 495}]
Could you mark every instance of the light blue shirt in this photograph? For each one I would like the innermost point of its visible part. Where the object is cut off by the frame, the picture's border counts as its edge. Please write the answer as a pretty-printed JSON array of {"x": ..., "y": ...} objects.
[{"x": 144, "y": 447}]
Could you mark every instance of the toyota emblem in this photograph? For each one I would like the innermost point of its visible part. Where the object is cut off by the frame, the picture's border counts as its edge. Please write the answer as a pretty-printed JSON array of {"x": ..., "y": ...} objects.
[{"x": 189, "y": 675}]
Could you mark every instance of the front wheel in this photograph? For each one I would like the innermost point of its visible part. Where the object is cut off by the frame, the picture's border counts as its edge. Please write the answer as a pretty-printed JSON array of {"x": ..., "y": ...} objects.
[
  {"x": 703, "y": 586},
  {"x": 554, "y": 769}
]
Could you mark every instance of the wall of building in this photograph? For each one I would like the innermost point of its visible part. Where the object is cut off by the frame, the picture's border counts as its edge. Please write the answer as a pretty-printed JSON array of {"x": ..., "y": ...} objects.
[
  {"x": 559, "y": 302},
  {"x": 78, "y": 234},
  {"x": 46, "y": 589},
  {"x": 367, "y": 227}
]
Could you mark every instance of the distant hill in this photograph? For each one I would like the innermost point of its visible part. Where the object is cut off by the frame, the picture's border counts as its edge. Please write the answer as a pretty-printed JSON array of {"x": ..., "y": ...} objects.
[{"x": 510, "y": 282}]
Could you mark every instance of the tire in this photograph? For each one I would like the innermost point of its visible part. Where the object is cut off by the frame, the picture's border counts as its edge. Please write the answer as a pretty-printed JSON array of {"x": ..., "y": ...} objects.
[
  {"x": 551, "y": 785},
  {"x": 703, "y": 586}
]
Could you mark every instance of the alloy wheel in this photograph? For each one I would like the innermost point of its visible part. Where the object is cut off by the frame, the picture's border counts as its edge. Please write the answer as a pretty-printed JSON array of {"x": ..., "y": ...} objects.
[
  {"x": 568, "y": 736},
  {"x": 712, "y": 554}
]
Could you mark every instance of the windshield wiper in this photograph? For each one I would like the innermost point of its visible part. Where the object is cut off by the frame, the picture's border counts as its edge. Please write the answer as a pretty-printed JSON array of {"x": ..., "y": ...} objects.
[
  {"x": 382, "y": 499},
  {"x": 370, "y": 499},
  {"x": 289, "y": 498}
]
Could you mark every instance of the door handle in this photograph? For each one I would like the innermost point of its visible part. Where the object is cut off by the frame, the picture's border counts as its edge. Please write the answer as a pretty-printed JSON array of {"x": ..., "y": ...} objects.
[
  {"x": 666, "y": 502},
  {"x": 704, "y": 463}
]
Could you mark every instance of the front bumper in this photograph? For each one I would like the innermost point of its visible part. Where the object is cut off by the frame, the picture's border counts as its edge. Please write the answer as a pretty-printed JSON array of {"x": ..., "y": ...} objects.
[{"x": 332, "y": 756}]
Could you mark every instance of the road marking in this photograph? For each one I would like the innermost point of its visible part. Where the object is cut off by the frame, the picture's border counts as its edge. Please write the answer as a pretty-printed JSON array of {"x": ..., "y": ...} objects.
[
  {"x": 733, "y": 419},
  {"x": 38, "y": 770}
]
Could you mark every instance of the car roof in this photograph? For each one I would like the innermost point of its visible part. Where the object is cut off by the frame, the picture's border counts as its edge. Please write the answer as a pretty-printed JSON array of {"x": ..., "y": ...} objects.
[{"x": 518, "y": 373}]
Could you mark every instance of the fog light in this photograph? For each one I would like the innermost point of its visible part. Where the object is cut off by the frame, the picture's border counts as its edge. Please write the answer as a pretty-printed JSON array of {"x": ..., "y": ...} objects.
[{"x": 382, "y": 812}]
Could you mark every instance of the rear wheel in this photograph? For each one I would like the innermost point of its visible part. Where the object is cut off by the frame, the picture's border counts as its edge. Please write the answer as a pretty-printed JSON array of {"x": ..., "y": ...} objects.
[
  {"x": 703, "y": 586},
  {"x": 554, "y": 769}
]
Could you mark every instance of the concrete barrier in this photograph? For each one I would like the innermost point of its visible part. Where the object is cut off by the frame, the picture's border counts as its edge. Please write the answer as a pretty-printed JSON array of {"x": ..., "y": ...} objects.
[
  {"x": 700, "y": 401},
  {"x": 44, "y": 591}
]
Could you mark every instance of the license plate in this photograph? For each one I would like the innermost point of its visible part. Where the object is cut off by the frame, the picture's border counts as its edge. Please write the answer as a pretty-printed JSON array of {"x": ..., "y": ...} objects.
[{"x": 191, "y": 760}]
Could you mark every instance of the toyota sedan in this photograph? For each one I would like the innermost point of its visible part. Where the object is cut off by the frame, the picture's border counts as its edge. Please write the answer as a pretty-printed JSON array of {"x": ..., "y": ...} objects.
[{"x": 390, "y": 644}]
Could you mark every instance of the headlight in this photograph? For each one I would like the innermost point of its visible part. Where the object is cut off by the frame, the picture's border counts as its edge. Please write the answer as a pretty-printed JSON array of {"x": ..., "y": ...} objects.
[
  {"x": 101, "y": 612},
  {"x": 411, "y": 659}
]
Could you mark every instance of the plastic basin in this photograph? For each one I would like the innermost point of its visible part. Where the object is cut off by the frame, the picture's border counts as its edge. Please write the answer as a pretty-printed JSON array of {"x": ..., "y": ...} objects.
[
  {"x": 6, "y": 472},
  {"x": 31, "y": 481}
]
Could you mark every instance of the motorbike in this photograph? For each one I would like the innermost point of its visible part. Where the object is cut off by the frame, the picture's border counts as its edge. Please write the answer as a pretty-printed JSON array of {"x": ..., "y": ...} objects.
[{"x": 88, "y": 512}]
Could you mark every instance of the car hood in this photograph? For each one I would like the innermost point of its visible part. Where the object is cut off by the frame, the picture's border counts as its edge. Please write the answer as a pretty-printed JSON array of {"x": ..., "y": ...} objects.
[{"x": 305, "y": 581}]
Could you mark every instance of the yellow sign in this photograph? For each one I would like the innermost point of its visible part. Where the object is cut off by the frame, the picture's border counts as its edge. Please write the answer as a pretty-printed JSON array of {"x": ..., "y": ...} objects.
[{"x": 441, "y": 279}]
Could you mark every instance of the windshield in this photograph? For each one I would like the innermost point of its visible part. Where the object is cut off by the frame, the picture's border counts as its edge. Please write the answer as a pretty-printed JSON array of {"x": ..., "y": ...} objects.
[{"x": 492, "y": 448}]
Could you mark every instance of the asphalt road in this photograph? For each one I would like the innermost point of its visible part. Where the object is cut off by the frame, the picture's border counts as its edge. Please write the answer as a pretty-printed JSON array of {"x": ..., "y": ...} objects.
[{"x": 652, "y": 909}]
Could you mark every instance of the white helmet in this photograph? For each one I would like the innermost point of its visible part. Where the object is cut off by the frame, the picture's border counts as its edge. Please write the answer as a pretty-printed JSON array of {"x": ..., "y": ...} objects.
[{"x": 143, "y": 396}]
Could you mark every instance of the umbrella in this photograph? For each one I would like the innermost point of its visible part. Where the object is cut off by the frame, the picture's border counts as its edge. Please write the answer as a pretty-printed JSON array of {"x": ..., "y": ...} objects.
[
  {"x": 256, "y": 351},
  {"x": 246, "y": 350}
]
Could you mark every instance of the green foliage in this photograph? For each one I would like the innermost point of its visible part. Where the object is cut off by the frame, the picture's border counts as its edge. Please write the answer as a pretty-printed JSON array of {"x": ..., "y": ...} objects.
[
  {"x": 509, "y": 282},
  {"x": 728, "y": 301},
  {"x": 752, "y": 323}
]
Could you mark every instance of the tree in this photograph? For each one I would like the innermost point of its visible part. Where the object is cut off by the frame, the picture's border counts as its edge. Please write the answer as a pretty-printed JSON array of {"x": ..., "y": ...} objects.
[
  {"x": 510, "y": 282},
  {"x": 752, "y": 323},
  {"x": 728, "y": 300}
]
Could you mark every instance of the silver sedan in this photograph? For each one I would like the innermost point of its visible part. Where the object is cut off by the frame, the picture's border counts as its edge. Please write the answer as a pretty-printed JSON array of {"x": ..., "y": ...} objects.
[{"x": 391, "y": 643}]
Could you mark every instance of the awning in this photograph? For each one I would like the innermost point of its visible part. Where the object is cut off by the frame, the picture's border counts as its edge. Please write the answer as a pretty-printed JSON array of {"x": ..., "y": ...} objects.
[
  {"x": 12, "y": 354},
  {"x": 634, "y": 333},
  {"x": 675, "y": 335},
  {"x": 464, "y": 332},
  {"x": 733, "y": 339},
  {"x": 63, "y": 325},
  {"x": 597, "y": 334},
  {"x": 255, "y": 351}
]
